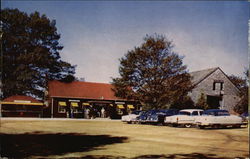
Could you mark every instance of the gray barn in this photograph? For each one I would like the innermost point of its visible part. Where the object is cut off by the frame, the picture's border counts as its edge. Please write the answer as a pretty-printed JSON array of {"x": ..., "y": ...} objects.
[{"x": 219, "y": 91}]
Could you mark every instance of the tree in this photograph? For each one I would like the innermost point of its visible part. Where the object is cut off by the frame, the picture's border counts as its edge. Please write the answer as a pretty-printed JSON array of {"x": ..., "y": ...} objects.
[
  {"x": 30, "y": 53},
  {"x": 153, "y": 74},
  {"x": 184, "y": 102},
  {"x": 202, "y": 102},
  {"x": 243, "y": 84}
]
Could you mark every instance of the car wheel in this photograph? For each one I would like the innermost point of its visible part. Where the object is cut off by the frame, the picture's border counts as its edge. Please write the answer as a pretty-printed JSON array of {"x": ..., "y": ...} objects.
[
  {"x": 237, "y": 126},
  {"x": 188, "y": 125},
  {"x": 201, "y": 126},
  {"x": 216, "y": 126},
  {"x": 174, "y": 125},
  {"x": 129, "y": 122}
]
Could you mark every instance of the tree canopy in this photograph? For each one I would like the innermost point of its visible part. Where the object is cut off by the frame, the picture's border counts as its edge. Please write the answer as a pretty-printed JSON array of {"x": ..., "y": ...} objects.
[
  {"x": 243, "y": 84},
  {"x": 153, "y": 74},
  {"x": 30, "y": 53}
]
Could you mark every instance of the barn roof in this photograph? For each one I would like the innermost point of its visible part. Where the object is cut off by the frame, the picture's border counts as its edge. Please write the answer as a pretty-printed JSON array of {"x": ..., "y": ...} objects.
[
  {"x": 20, "y": 99},
  {"x": 79, "y": 89},
  {"x": 198, "y": 76}
]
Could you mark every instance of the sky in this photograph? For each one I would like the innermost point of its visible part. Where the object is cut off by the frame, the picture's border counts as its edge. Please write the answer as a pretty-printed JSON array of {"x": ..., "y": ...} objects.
[{"x": 95, "y": 34}]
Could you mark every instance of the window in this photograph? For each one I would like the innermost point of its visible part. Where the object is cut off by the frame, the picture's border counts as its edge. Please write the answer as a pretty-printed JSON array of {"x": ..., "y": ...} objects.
[
  {"x": 218, "y": 85},
  {"x": 195, "y": 113},
  {"x": 75, "y": 107},
  {"x": 62, "y": 107},
  {"x": 184, "y": 113}
]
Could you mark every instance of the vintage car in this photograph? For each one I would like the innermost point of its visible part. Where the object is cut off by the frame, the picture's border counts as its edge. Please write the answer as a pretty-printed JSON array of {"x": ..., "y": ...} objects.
[
  {"x": 245, "y": 118},
  {"x": 217, "y": 118},
  {"x": 158, "y": 116},
  {"x": 130, "y": 117},
  {"x": 186, "y": 117},
  {"x": 142, "y": 118}
]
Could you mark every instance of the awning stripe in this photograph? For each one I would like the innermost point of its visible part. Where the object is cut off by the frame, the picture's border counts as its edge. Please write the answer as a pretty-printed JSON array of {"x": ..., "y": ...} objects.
[
  {"x": 131, "y": 107},
  {"x": 85, "y": 103},
  {"x": 120, "y": 106},
  {"x": 62, "y": 103},
  {"x": 74, "y": 104}
]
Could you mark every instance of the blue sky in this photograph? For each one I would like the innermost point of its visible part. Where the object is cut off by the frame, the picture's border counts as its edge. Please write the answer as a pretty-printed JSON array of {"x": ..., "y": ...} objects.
[{"x": 96, "y": 34}]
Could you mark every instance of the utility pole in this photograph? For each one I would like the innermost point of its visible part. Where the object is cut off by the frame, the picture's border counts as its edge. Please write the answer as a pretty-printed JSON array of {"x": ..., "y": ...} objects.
[{"x": 1, "y": 67}]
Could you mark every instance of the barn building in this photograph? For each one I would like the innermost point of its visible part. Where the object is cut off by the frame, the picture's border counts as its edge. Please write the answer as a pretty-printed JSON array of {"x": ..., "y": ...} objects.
[
  {"x": 219, "y": 91},
  {"x": 77, "y": 99},
  {"x": 21, "y": 106}
]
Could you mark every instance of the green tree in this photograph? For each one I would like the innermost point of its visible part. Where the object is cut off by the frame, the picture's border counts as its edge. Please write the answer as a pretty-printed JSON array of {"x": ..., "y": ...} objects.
[
  {"x": 153, "y": 74},
  {"x": 184, "y": 102},
  {"x": 30, "y": 53},
  {"x": 243, "y": 84},
  {"x": 202, "y": 102}
]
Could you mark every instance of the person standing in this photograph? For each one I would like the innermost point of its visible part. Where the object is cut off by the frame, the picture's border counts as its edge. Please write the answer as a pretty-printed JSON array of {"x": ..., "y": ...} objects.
[
  {"x": 87, "y": 113},
  {"x": 103, "y": 112}
]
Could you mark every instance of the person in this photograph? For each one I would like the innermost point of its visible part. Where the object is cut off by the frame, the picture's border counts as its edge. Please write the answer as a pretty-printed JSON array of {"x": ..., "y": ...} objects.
[
  {"x": 103, "y": 113},
  {"x": 71, "y": 113},
  {"x": 87, "y": 113}
]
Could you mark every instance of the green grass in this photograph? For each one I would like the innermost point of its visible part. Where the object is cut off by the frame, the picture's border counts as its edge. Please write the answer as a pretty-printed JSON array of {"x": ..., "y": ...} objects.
[{"x": 114, "y": 139}]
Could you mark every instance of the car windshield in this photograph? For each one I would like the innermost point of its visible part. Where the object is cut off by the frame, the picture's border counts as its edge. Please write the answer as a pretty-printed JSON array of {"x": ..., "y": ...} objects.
[
  {"x": 162, "y": 112},
  {"x": 136, "y": 112},
  {"x": 184, "y": 113},
  {"x": 167, "y": 112},
  {"x": 217, "y": 113}
]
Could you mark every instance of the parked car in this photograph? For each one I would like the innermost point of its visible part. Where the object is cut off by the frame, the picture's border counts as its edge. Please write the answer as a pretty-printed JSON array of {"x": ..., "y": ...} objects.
[
  {"x": 186, "y": 117},
  {"x": 142, "y": 118},
  {"x": 158, "y": 116},
  {"x": 131, "y": 117},
  {"x": 245, "y": 118},
  {"x": 218, "y": 118}
]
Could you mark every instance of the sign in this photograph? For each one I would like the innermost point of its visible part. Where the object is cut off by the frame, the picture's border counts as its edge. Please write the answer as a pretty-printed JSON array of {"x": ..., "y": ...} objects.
[
  {"x": 22, "y": 101},
  {"x": 119, "y": 102},
  {"x": 71, "y": 100}
]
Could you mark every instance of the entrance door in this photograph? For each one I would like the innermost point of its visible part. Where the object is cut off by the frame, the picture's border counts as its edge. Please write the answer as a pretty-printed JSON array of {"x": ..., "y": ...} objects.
[{"x": 214, "y": 101}]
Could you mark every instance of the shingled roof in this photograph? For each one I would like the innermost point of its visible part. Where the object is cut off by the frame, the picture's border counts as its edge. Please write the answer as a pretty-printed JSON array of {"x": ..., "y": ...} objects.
[
  {"x": 85, "y": 90},
  {"x": 198, "y": 76},
  {"x": 21, "y": 98}
]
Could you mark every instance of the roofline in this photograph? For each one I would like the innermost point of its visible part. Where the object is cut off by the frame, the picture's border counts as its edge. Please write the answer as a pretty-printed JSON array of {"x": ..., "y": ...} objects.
[
  {"x": 212, "y": 73},
  {"x": 15, "y": 103},
  {"x": 230, "y": 80},
  {"x": 88, "y": 98},
  {"x": 81, "y": 82},
  {"x": 205, "y": 76}
]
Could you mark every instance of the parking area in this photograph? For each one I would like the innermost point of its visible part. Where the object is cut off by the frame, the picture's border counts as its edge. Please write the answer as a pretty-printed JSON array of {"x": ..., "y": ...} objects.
[{"x": 113, "y": 139}]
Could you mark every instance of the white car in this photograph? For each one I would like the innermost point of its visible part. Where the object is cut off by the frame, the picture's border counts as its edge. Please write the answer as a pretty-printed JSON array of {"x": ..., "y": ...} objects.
[
  {"x": 131, "y": 117},
  {"x": 218, "y": 118},
  {"x": 186, "y": 117}
]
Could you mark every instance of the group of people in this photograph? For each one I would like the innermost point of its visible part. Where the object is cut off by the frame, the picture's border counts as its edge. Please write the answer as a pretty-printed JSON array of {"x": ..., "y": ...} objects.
[{"x": 90, "y": 113}]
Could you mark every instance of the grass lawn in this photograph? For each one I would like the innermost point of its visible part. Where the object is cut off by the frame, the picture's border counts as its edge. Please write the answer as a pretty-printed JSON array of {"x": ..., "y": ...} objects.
[{"x": 114, "y": 139}]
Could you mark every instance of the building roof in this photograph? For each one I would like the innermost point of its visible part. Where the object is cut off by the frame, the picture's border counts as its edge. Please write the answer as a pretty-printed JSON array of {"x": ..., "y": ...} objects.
[
  {"x": 21, "y": 100},
  {"x": 85, "y": 90},
  {"x": 198, "y": 76}
]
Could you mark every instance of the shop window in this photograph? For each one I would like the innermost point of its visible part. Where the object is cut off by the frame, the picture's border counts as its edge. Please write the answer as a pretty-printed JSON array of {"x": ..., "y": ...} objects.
[
  {"x": 62, "y": 107},
  {"x": 75, "y": 107}
]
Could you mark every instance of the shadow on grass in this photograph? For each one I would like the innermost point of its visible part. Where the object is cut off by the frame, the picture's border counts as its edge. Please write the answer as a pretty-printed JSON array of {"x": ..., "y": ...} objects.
[
  {"x": 171, "y": 156},
  {"x": 39, "y": 144}
]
